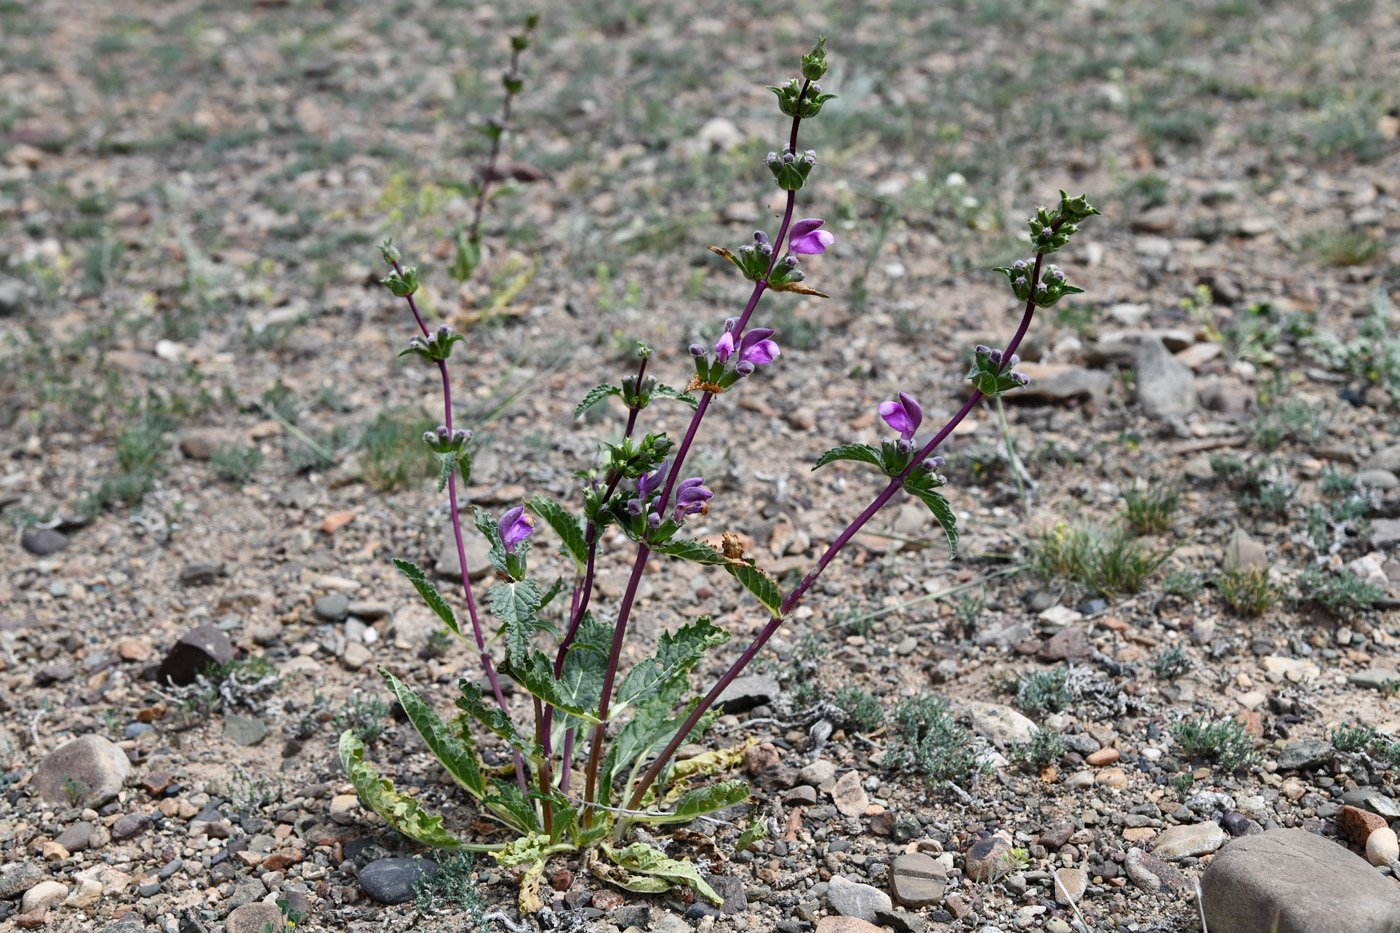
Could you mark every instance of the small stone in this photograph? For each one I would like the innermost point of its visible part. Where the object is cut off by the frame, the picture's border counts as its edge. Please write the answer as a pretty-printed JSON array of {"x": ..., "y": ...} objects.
[
  {"x": 199, "y": 573},
  {"x": 852, "y": 899},
  {"x": 1070, "y": 885},
  {"x": 335, "y": 521},
  {"x": 849, "y": 796},
  {"x": 1070, "y": 643},
  {"x": 1243, "y": 553},
  {"x": 344, "y": 808},
  {"x": 1104, "y": 756},
  {"x": 196, "y": 650},
  {"x": 817, "y": 773},
  {"x": 391, "y": 880},
  {"x": 607, "y": 899},
  {"x": 1305, "y": 754},
  {"x": 744, "y": 693},
  {"x": 1165, "y": 386},
  {"x": 1375, "y": 678},
  {"x": 76, "y": 837},
  {"x": 356, "y": 656},
  {"x": 130, "y": 824},
  {"x": 332, "y": 607},
  {"x": 1385, "y": 533},
  {"x": 1001, "y": 725},
  {"x": 917, "y": 880},
  {"x": 204, "y": 443},
  {"x": 1382, "y": 847},
  {"x": 1189, "y": 839},
  {"x": 1152, "y": 874},
  {"x": 253, "y": 918},
  {"x": 85, "y": 895},
  {"x": 986, "y": 858},
  {"x": 477, "y": 550},
  {"x": 42, "y": 896},
  {"x": 803, "y": 795},
  {"x": 1115, "y": 778},
  {"x": 759, "y": 758},
  {"x": 1378, "y": 479},
  {"x": 244, "y": 730},
  {"x": 90, "y": 765},
  {"x": 1357, "y": 823},
  {"x": 44, "y": 541}
]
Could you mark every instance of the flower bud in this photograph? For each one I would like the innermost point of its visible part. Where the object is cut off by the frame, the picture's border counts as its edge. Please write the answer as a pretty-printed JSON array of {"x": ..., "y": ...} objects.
[
  {"x": 653, "y": 521},
  {"x": 904, "y": 445},
  {"x": 760, "y": 237},
  {"x": 429, "y": 437},
  {"x": 766, "y": 249},
  {"x": 789, "y": 157},
  {"x": 790, "y": 261},
  {"x": 744, "y": 368},
  {"x": 937, "y": 462},
  {"x": 461, "y": 436},
  {"x": 698, "y": 350},
  {"x": 981, "y": 350},
  {"x": 442, "y": 432},
  {"x": 1019, "y": 265},
  {"x": 1015, "y": 358},
  {"x": 730, "y": 323},
  {"x": 443, "y": 330},
  {"x": 995, "y": 357}
]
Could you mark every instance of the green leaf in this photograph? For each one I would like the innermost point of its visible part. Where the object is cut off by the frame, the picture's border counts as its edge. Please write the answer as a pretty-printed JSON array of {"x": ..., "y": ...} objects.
[
  {"x": 446, "y": 461},
  {"x": 863, "y": 453},
  {"x": 699, "y": 801},
  {"x": 641, "y": 859},
  {"x": 487, "y": 526},
  {"x": 585, "y": 664},
  {"x": 943, "y": 512},
  {"x": 594, "y": 396},
  {"x": 515, "y": 604},
  {"x": 566, "y": 526},
  {"x": 430, "y": 595},
  {"x": 456, "y": 756},
  {"x": 528, "y": 848},
  {"x": 507, "y": 798},
  {"x": 400, "y": 812},
  {"x": 759, "y": 584},
  {"x": 675, "y": 656},
  {"x": 751, "y": 834},
  {"x": 536, "y": 675},
  {"x": 695, "y": 551},
  {"x": 554, "y": 590},
  {"x": 474, "y": 704},
  {"x": 665, "y": 391}
]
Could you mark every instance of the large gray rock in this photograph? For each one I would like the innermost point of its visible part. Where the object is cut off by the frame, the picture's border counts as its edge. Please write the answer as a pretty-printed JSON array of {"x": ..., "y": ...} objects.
[
  {"x": 90, "y": 768},
  {"x": 1310, "y": 884},
  {"x": 1165, "y": 385},
  {"x": 196, "y": 650},
  {"x": 853, "y": 899},
  {"x": 392, "y": 880},
  {"x": 18, "y": 877},
  {"x": 1304, "y": 754}
]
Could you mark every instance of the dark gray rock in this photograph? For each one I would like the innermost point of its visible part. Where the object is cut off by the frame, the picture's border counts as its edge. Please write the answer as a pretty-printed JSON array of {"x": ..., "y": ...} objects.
[
  {"x": 1307, "y": 882},
  {"x": 747, "y": 692},
  {"x": 1304, "y": 754},
  {"x": 89, "y": 767},
  {"x": 44, "y": 541},
  {"x": 391, "y": 880},
  {"x": 196, "y": 650},
  {"x": 729, "y": 888},
  {"x": 18, "y": 877},
  {"x": 76, "y": 837},
  {"x": 333, "y": 607},
  {"x": 244, "y": 730},
  {"x": 129, "y": 824},
  {"x": 199, "y": 573}
]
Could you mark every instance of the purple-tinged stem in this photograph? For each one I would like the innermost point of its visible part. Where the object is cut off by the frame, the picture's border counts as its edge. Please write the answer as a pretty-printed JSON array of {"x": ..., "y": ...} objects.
[
  {"x": 461, "y": 547},
  {"x": 595, "y": 748},
  {"x": 479, "y": 210},
  {"x": 566, "y": 761}
]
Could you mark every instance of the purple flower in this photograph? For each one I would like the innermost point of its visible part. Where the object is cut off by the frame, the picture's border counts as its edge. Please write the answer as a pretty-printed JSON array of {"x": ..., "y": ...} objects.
[
  {"x": 515, "y": 526},
  {"x": 651, "y": 483},
  {"x": 756, "y": 348},
  {"x": 1019, "y": 378},
  {"x": 904, "y": 415},
  {"x": 725, "y": 348},
  {"x": 807, "y": 238},
  {"x": 692, "y": 497}
]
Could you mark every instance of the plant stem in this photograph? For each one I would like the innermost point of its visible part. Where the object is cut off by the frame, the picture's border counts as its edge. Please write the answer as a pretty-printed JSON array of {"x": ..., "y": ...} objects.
[
  {"x": 1011, "y": 454},
  {"x": 474, "y": 234},
  {"x": 595, "y": 748},
  {"x": 482, "y": 653}
]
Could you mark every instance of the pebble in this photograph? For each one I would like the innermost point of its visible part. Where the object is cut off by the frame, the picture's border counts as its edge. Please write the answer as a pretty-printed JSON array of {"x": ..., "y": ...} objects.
[
  {"x": 1070, "y": 885},
  {"x": 917, "y": 880},
  {"x": 391, "y": 880},
  {"x": 1305, "y": 754},
  {"x": 986, "y": 858},
  {"x": 197, "y": 649},
  {"x": 1382, "y": 847},
  {"x": 1165, "y": 386},
  {"x": 90, "y": 761},
  {"x": 818, "y": 772},
  {"x": 853, "y": 899},
  {"x": 18, "y": 877},
  {"x": 253, "y": 918},
  {"x": 42, "y": 542},
  {"x": 1104, "y": 756},
  {"x": 1189, "y": 839},
  {"x": 244, "y": 730},
  {"x": 1001, "y": 725},
  {"x": 849, "y": 796},
  {"x": 42, "y": 896},
  {"x": 199, "y": 573}
]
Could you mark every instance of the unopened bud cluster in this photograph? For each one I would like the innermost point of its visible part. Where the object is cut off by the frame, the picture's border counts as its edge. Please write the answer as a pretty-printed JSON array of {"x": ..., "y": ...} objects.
[
  {"x": 435, "y": 348},
  {"x": 790, "y": 170}
]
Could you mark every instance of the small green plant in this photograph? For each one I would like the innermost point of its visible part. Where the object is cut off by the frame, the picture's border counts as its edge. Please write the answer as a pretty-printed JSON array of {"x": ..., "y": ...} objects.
[
  {"x": 237, "y": 464},
  {"x": 1042, "y": 692},
  {"x": 1007, "y": 864},
  {"x": 1273, "y": 496},
  {"x": 74, "y": 790},
  {"x": 1044, "y": 749},
  {"x": 1226, "y": 742},
  {"x": 1343, "y": 247},
  {"x": 1151, "y": 506},
  {"x": 1339, "y": 592},
  {"x": 1182, "y": 583},
  {"x": 861, "y": 709},
  {"x": 1109, "y": 562},
  {"x": 928, "y": 741},
  {"x": 438, "y": 643},
  {"x": 1182, "y": 783},
  {"x": 968, "y": 610},
  {"x": 1333, "y": 482},
  {"x": 1227, "y": 467},
  {"x": 391, "y": 452},
  {"x": 1248, "y": 590},
  {"x": 1372, "y": 355},
  {"x": 454, "y": 887},
  {"x": 363, "y": 716},
  {"x": 1170, "y": 663},
  {"x": 1348, "y": 738},
  {"x": 247, "y": 671}
]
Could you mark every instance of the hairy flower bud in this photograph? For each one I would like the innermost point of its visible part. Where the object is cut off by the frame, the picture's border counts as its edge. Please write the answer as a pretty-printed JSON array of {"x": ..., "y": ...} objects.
[
  {"x": 744, "y": 368},
  {"x": 442, "y": 432},
  {"x": 429, "y": 437},
  {"x": 698, "y": 350},
  {"x": 760, "y": 237},
  {"x": 461, "y": 436}
]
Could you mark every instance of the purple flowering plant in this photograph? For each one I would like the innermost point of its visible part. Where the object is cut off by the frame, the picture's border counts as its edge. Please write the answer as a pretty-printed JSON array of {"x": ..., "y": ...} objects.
[{"x": 596, "y": 761}]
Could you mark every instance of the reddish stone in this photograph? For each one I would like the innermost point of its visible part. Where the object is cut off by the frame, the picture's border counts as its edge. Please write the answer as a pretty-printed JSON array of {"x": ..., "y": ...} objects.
[
  {"x": 759, "y": 758},
  {"x": 156, "y": 782},
  {"x": 1104, "y": 756},
  {"x": 281, "y": 860},
  {"x": 1358, "y": 824},
  {"x": 336, "y": 520},
  {"x": 563, "y": 879},
  {"x": 1251, "y": 722},
  {"x": 1070, "y": 643},
  {"x": 607, "y": 900}
]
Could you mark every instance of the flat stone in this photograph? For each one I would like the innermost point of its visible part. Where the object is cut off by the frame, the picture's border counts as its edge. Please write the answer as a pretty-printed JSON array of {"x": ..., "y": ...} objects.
[
  {"x": 850, "y": 798},
  {"x": 253, "y": 918},
  {"x": 1152, "y": 874},
  {"x": 985, "y": 858},
  {"x": 1305, "y": 754},
  {"x": 474, "y": 545},
  {"x": 1373, "y": 800},
  {"x": 199, "y": 573},
  {"x": 1296, "y": 670},
  {"x": 1378, "y": 479},
  {"x": 355, "y": 657},
  {"x": 129, "y": 824},
  {"x": 1385, "y": 533},
  {"x": 1189, "y": 839},
  {"x": 803, "y": 795},
  {"x": 1243, "y": 553},
  {"x": 670, "y": 923},
  {"x": 1308, "y": 883},
  {"x": 1070, "y": 643},
  {"x": 90, "y": 760},
  {"x": 852, "y": 899},
  {"x": 1070, "y": 885},
  {"x": 846, "y": 925},
  {"x": 244, "y": 730},
  {"x": 1387, "y": 458},
  {"x": 1001, "y": 725},
  {"x": 85, "y": 895},
  {"x": 1058, "y": 381},
  {"x": 1055, "y": 836},
  {"x": 204, "y": 443},
  {"x": 917, "y": 880},
  {"x": 1165, "y": 387},
  {"x": 332, "y": 607},
  {"x": 1375, "y": 678},
  {"x": 731, "y": 891},
  {"x": 759, "y": 758},
  {"x": 196, "y": 650},
  {"x": 744, "y": 693},
  {"x": 76, "y": 837},
  {"x": 818, "y": 772},
  {"x": 44, "y": 541},
  {"x": 18, "y": 877},
  {"x": 391, "y": 880}
]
